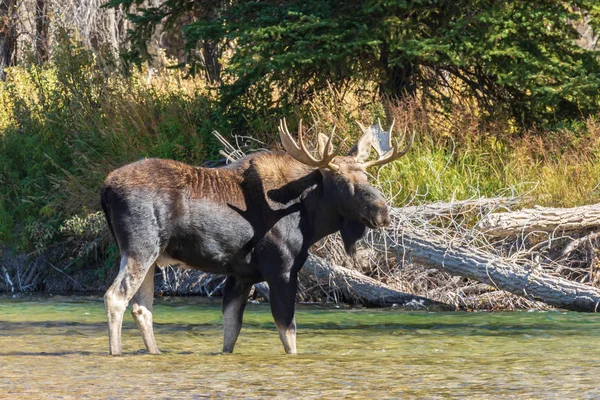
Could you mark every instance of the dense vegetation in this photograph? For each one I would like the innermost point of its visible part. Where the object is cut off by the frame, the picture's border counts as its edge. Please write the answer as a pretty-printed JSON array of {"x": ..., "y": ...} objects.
[
  {"x": 518, "y": 58},
  {"x": 501, "y": 98}
]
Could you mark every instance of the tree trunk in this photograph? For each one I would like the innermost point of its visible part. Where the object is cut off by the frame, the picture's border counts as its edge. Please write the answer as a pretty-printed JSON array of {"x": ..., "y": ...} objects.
[
  {"x": 8, "y": 34},
  {"x": 210, "y": 53},
  {"x": 444, "y": 209},
  {"x": 399, "y": 80},
  {"x": 366, "y": 290},
  {"x": 521, "y": 280},
  {"x": 541, "y": 219},
  {"x": 211, "y": 50},
  {"x": 41, "y": 31}
]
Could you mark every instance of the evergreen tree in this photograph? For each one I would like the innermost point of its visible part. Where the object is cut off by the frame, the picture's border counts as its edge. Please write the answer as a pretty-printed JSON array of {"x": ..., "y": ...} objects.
[{"x": 514, "y": 56}]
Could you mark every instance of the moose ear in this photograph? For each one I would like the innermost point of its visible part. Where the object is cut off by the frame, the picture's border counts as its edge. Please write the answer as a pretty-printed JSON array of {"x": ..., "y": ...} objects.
[{"x": 361, "y": 150}]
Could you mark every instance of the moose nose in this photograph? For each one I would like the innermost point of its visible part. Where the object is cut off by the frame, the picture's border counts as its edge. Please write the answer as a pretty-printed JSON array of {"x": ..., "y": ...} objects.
[{"x": 382, "y": 220}]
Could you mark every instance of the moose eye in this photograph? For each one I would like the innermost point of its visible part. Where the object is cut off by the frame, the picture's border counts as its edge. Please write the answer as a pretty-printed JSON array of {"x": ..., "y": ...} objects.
[
  {"x": 349, "y": 187},
  {"x": 344, "y": 185}
]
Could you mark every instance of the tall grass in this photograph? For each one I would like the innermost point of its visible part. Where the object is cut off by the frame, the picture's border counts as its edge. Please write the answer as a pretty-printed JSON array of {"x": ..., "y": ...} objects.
[
  {"x": 66, "y": 124},
  {"x": 552, "y": 169}
]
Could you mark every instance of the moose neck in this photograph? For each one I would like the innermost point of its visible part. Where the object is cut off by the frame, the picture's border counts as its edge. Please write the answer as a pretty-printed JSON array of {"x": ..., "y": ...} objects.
[
  {"x": 284, "y": 181},
  {"x": 288, "y": 180},
  {"x": 324, "y": 211},
  {"x": 326, "y": 218}
]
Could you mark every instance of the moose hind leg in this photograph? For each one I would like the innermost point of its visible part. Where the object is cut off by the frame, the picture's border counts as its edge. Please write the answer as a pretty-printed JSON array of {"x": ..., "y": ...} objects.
[
  {"x": 141, "y": 310},
  {"x": 126, "y": 284},
  {"x": 283, "y": 301},
  {"x": 234, "y": 302}
]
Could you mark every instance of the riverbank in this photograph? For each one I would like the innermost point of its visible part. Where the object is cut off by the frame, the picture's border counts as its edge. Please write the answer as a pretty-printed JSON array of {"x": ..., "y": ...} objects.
[{"x": 66, "y": 124}]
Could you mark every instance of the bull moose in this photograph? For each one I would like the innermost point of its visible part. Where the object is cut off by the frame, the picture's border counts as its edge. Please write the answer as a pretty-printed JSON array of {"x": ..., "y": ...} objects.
[{"x": 252, "y": 220}]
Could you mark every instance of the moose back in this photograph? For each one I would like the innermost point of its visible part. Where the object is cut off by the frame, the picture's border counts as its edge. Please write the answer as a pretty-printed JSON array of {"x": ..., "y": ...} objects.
[{"x": 253, "y": 220}]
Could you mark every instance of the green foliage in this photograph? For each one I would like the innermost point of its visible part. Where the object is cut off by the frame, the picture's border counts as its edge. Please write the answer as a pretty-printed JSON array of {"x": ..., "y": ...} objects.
[
  {"x": 66, "y": 124},
  {"x": 90, "y": 225},
  {"x": 515, "y": 58},
  {"x": 435, "y": 172},
  {"x": 299, "y": 47}
]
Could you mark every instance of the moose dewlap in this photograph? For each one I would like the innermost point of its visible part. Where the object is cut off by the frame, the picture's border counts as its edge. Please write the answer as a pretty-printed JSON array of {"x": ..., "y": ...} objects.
[{"x": 253, "y": 220}]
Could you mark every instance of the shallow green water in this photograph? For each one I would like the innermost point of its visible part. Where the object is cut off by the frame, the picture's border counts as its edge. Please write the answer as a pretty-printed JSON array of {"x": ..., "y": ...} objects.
[{"x": 57, "y": 347}]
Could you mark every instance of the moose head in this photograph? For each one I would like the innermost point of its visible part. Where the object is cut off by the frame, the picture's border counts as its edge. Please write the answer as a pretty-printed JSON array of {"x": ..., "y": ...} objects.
[{"x": 344, "y": 177}]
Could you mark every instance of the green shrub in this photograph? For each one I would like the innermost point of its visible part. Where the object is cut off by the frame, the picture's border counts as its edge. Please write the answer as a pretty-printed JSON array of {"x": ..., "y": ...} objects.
[{"x": 66, "y": 124}]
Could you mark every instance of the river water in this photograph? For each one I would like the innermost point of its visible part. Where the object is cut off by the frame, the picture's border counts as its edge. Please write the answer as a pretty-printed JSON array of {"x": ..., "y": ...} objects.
[{"x": 56, "y": 347}]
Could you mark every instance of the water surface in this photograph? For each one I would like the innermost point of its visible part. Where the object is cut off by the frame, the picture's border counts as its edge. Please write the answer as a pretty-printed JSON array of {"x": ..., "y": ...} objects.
[{"x": 56, "y": 347}]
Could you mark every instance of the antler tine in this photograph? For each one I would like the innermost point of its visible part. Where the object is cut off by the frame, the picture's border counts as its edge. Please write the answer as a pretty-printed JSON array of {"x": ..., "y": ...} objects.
[
  {"x": 286, "y": 138},
  {"x": 333, "y": 152},
  {"x": 392, "y": 129},
  {"x": 303, "y": 146},
  {"x": 361, "y": 126},
  {"x": 328, "y": 156},
  {"x": 301, "y": 153},
  {"x": 394, "y": 153}
]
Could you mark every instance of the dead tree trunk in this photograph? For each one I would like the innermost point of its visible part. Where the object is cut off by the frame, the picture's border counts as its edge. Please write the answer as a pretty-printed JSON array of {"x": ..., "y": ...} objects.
[
  {"x": 211, "y": 50},
  {"x": 541, "y": 219},
  {"x": 8, "y": 34},
  {"x": 41, "y": 31},
  {"x": 481, "y": 205},
  {"x": 369, "y": 291},
  {"x": 521, "y": 280}
]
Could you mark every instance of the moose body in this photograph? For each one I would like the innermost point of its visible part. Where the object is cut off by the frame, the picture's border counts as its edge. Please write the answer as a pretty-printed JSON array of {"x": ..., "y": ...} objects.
[{"x": 253, "y": 221}]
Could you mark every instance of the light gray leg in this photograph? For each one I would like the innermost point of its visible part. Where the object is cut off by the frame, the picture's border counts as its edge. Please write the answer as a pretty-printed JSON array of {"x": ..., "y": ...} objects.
[
  {"x": 141, "y": 309},
  {"x": 119, "y": 294}
]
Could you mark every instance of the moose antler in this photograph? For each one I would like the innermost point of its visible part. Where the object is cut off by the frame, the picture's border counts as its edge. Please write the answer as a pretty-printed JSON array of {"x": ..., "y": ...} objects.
[
  {"x": 387, "y": 152},
  {"x": 301, "y": 153}
]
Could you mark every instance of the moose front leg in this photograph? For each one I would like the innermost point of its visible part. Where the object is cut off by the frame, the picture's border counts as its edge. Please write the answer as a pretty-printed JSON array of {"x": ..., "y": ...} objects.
[
  {"x": 283, "y": 301},
  {"x": 235, "y": 298}
]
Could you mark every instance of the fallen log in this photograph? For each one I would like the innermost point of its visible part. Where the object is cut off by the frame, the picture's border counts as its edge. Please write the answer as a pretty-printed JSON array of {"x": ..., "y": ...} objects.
[
  {"x": 482, "y": 205},
  {"x": 544, "y": 219},
  {"x": 527, "y": 281},
  {"x": 359, "y": 287},
  {"x": 367, "y": 290},
  {"x": 575, "y": 244},
  {"x": 262, "y": 289}
]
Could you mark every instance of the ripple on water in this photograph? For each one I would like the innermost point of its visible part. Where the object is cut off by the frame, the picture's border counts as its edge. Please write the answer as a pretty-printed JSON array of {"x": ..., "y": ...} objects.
[{"x": 56, "y": 347}]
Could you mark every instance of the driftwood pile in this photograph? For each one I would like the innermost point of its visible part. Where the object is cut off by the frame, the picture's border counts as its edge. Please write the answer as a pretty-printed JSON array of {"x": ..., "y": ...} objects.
[{"x": 543, "y": 255}]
